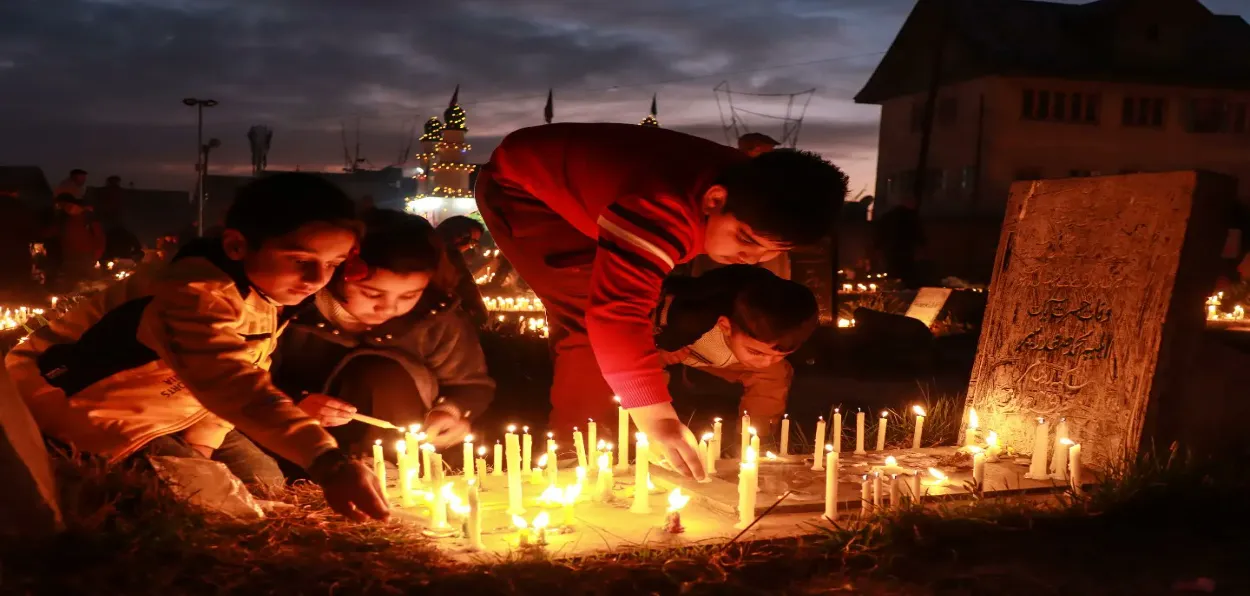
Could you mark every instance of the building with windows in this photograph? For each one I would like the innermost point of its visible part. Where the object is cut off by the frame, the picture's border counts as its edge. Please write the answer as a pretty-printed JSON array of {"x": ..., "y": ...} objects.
[{"x": 1030, "y": 90}]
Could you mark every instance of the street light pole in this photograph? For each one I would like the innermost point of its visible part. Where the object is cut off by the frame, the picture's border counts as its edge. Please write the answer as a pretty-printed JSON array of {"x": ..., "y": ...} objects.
[{"x": 201, "y": 156}]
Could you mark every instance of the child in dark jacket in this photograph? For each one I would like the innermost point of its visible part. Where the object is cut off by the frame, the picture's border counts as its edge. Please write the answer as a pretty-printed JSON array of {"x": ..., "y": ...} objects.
[
  {"x": 386, "y": 338},
  {"x": 738, "y": 323}
]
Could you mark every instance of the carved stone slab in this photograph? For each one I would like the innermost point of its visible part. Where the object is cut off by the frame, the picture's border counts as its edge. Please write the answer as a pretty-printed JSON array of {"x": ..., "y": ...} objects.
[{"x": 1095, "y": 307}]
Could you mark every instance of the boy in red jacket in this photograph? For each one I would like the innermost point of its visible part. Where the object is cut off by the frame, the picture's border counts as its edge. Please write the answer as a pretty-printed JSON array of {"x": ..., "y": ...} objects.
[{"x": 594, "y": 216}]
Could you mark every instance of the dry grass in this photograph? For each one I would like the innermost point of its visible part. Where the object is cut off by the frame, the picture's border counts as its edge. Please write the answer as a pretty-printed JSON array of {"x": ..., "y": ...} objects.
[{"x": 1159, "y": 521}]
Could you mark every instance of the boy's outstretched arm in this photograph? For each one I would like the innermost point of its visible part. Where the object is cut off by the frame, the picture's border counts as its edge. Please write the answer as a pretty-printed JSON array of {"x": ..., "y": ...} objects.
[
  {"x": 640, "y": 240},
  {"x": 193, "y": 329}
]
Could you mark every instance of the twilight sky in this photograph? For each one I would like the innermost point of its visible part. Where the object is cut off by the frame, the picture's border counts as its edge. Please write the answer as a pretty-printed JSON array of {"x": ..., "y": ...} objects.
[{"x": 98, "y": 84}]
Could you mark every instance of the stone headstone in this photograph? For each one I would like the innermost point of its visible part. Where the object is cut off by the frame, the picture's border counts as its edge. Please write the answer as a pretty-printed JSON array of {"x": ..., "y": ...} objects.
[
  {"x": 1095, "y": 308},
  {"x": 28, "y": 502},
  {"x": 928, "y": 304}
]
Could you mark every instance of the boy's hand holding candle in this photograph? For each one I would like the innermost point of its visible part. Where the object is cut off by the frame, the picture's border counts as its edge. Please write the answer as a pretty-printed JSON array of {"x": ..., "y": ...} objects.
[{"x": 670, "y": 438}]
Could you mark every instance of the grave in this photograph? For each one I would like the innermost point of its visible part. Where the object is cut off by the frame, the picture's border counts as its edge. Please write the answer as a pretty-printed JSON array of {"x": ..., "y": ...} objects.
[{"x": 1094, "y": 311}]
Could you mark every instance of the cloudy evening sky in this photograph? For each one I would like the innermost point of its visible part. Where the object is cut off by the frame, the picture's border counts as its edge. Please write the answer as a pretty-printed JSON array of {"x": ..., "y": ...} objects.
[{"x": 98, "y": 83}]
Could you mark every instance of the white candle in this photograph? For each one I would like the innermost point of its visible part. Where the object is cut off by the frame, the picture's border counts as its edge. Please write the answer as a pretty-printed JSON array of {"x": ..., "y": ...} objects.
[
  {"x": 481, "y": 463},
  {"x": 785, "y": 435},
  {"x": 817, "y": 463},
  {"x": 379, "y": 466},
  {"x": 427, "y": 469},
  {"x": 992, "y": 450},
  {"x": 514, "y": 472},
  {"x": 859, "y": 433},
  {"x": 527, "y": 449},
  {"x": 746, "y": 491},
  {"x": 603, "y": 482},
  {"x": 716, "y": 439},
  {"x": 865, "y": 496},
  {"x": 970, "y": 435},
  {"x": 642, "y": 500},
  {"x": 709, "y": 453},
  {"x": 978, "y": 469},
  {"x": 580, "y": 446},
  {"x": 746, "y": 435},
  {"x": 498, "y": 471},
  {"x": 406, "y": 474},
  {"x": 705, "y": 456},
  {"x": 438, "y": 515},
  {"x": 475, "y": 518},
  {"x": 755, "y": 440},
  {"x": 1059, "y": 459},
  {"x": 915, "y": 440},
  {"x": 592, "y": 434},
  {"x": 1041, "y": 445},
  {"x": 837, "y": 430},
  {"x": 622, "y": 436},
  {"x": 468, "y": 457},
  {"x": 831, "y": 483},
  {"x": 553, "y": 464},
  {"x": 881, "y": 426},
  {"x": 539, "y": 473},
  {"x": 1075, "y": 476},
  {"x": 877, "y": 497}
]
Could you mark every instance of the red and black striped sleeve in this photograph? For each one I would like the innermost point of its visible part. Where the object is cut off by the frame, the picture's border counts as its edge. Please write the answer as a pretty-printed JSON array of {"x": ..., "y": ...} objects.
[{"x": 641, "y": 239}]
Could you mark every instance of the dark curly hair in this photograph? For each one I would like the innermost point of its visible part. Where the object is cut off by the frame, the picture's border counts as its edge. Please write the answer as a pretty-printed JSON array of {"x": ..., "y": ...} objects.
[
  {"x": 776, "y": 311},
  {"x": 785, "y": 195},
  {"x": 277, "y": 205},
  {"x": 404, "y": 243}
]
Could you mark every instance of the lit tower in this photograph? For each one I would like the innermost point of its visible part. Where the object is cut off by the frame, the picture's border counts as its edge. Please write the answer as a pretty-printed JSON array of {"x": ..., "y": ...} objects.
[
  {"x": 651, "y": 119},
  {"x": 443, "y": 188}
]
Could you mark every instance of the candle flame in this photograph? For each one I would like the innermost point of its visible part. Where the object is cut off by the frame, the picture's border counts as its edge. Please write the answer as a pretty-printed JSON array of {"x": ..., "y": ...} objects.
[
  {"x": 541, "y": 520},
  {"x": 837, "y": 410},
  {"x": 519, "y": 522},
  {"x": 716, "y": 419},
  {"x": 378, "y": 442},
  {"x": 468, "y": 438},
  {"x": 770, "y": 455},
  {"x": 820, "y": 418},
  {"x": 1067, "y": 441},
  {"x": 676, "y": 500},
  {"x": 992, "y": 439},
  {"x": 890, "y": 461},
  {"x": 600, "y": 445},
  {"x": 641, "y": 438},
  {"x": 751, "y": 455},
  {"x": 609, "y": 446},
  {"x": 525, "y": 429},
  {"x": 551, "y": 435},
  {"x": 936, "y": 473},
  {"x": 401, "y": 445},
  {"x": 574, "y": 430},
  {"x": 481, "y": 451},
  {"x": 708, "y": 436},
  {"x": 542, "y": 461},
  {"x": 616, "y": 398},
  {"x": 420, "y": 436},
  {"x": 973, "y": 421},
  {"x": 829, "y": 447},
  {"x": 918, "y": 410},
  {"x": 572, "y": 491},
  {"x": 751, "y": 430},
  {"x": 603, "y": 462},
  {"x": 511, "y": 428},
  {"x": 413, "y": 428},
  {"x": 1041, "y": 420},
  {"x": 427, "y": 447},
  {"x": 885, "y": 413},
  {"x": 785, "y": 415}
]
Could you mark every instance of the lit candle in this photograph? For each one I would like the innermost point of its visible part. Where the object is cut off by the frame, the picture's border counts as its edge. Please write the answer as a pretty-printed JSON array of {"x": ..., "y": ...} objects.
[
  {"x": 831, "y": 483},
  {"x": 915, "y": 440},
  {"x": 527, "y": 448},
  {"x": 427, "y": 471},
  {"x": 881, "y": 426},
  {"x": 1075, "y": 477},
  {"x": 580, "y": 446},
  {"x": 676, "y": 500},
  {"x": 481, "y": 462},
  {"x": 379, "y": 466},
  {"x": 537, "y": 477},
  {"x": 498, "y": 471},
  {"x": 817, "y": 463},
  {"x": 978, "y": 468},
  {"x": 475, "y": 518},
  {"x": 540, "y": 528},
  {"x": 553, "y": 463},
  {"x": 785, "y": 435},
  {"x": 716, "y": 439},
  {"x": 523, "y": 531},
  {"x": 755, "y": 439},
  {"x": 1041, "y": 445},
  {"x": 876, "y": 490},
  {"x": 592, "y": 434},
  {"x": 704, "y": 454},
  {"x": 992, "y": 450},
  {"x": 569, "y": 498},
  {"x": 603, "y": 482},
  {"x": 865, "y": 496},
  {"x": 468, "y": 457},
  {"x": 1059, "y": 459},
  {"x": 746, "y": 490},
  {"x": 970, "y": 435},
  {"x": 939, "y": 478},
  {"x": 410, "y": 436},
  {"x": 859, "y": 433},
  {"x": 837, "y": 430},
  {"x": 746, "y": 434},
  {"x": 406, "y": 474},
  {"x": 622, "y": 435},
  {"x": 642, "y": 501},
  {"x": 515, "y": 470}
]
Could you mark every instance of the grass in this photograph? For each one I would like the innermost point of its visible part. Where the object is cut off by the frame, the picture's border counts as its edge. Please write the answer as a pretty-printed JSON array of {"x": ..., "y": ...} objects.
[{"x": 1163, "y": 520}]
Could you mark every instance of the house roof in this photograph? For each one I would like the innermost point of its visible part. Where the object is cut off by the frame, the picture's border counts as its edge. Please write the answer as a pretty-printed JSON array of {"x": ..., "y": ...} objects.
[
  {"x": 29, "y": 182},
  {"x": 1067, "y": 41}
]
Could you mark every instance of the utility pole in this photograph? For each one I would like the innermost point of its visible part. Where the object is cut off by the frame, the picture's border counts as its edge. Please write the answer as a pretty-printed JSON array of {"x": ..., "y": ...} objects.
[{"x": 201, "y": 156}]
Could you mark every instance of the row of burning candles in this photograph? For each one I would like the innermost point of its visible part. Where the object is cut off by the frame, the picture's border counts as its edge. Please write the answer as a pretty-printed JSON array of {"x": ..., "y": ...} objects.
[
  {"x": 12, "y": 318},
  {"x": 1213, "y": 310},
  {"x": 517, "y": 304}
]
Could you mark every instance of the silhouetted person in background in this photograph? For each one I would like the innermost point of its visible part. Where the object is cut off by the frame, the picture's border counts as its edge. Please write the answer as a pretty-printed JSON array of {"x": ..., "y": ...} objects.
[
  {"x": 898, "y": 236},
  {"x": 461, "y": 236},
  {"x": 75, "y": 185},
  {"x": 78, "y": 240}
]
